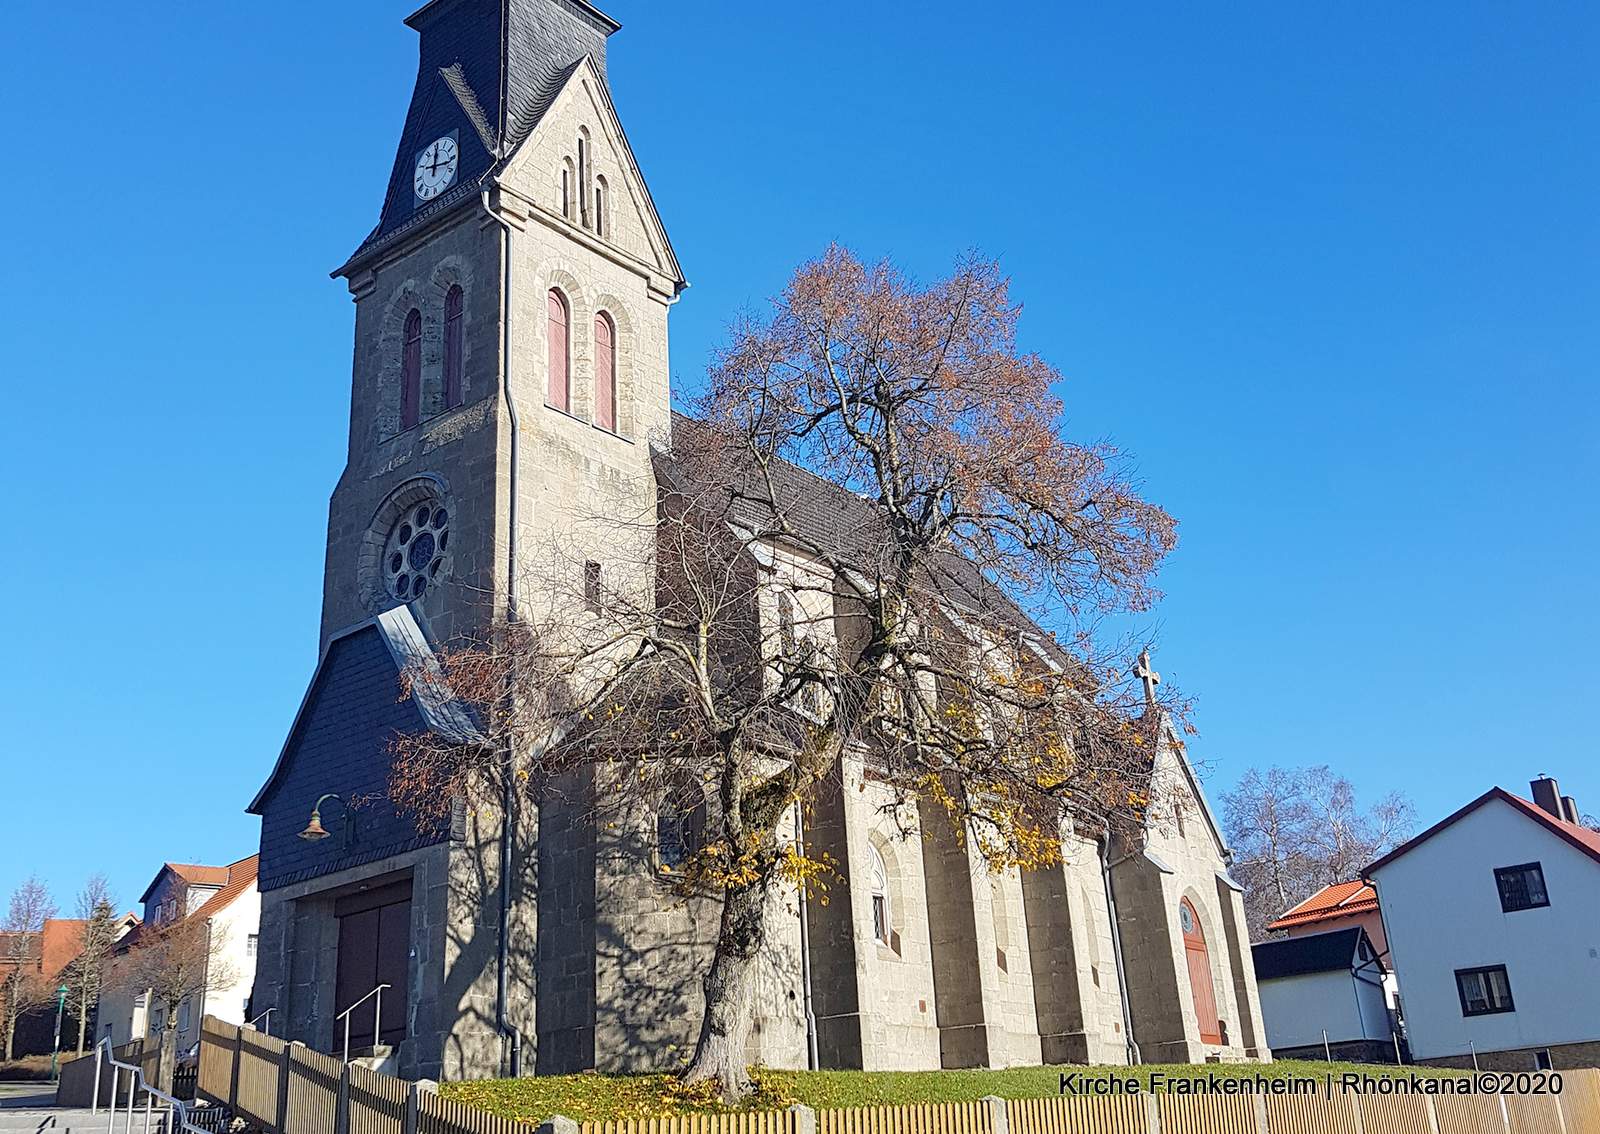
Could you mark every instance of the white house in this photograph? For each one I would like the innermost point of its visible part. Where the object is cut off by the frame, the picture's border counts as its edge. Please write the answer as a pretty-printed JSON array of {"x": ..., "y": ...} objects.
[
  {"x": 1322, "y": 994},
  {"x": 1493, "y": 922},
  {"x": 226, "y": 899},
  {"x": 1345, "y": 905}
]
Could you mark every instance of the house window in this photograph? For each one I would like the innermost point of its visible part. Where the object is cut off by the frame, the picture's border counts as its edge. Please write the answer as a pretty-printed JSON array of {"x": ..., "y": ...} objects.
[
  {"x": 454, "y": 347},
  {"x": 878, "y": 879},
  {"x": 411, "y": 371},
  {"x": 591, "y": 586},
  {"x": 560, "y": 325},
  {"x": 250, "y": 944},
  {"x": 1521, "y": 887},
  {"x": 605, "y": 372},
  {"x": 1484, "y": 991},
  {"x": 183, "y": 1016}
]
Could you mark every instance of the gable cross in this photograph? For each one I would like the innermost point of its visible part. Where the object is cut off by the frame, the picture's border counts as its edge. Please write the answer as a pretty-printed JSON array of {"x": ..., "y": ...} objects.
[{"x": 1146, "y": 674}]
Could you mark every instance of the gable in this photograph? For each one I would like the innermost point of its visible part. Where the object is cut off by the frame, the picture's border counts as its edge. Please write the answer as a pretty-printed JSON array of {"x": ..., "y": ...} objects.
[
  {"x": 340, "y": 743},
  {"x": 1174, "y": 774},
  {"x": 533, "y": 169}
]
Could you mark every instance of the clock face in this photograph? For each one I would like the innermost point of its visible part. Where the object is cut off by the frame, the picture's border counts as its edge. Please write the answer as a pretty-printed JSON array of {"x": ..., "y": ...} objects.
[{"x": 436, "y": 168}]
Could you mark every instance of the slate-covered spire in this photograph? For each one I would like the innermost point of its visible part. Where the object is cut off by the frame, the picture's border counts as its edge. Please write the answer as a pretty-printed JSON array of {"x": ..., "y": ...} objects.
[{"x": 487, "y": 72}]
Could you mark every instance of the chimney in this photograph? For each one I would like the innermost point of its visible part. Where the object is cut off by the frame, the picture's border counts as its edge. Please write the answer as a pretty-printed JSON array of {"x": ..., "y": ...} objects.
[
  {"x": 1569, "y": 810},
  {"x": 1547, "y": 794}
]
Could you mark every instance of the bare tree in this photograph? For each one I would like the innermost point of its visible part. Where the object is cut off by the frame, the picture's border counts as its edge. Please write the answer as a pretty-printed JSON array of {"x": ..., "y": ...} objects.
[
  {"x": 85, "y": 976},
  {"x": 25, "y": 985},
  {"x": 854, "y": 543},
  {"x": 176, "y": 961},
  {"x": 1296, "y": 830}
]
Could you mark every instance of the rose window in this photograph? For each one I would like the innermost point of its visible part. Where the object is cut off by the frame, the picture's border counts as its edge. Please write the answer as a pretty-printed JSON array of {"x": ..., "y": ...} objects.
[{"x": 414, "y": 555}]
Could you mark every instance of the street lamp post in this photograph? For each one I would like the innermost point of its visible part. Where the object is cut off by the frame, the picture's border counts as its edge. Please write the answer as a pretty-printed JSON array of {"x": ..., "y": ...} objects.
[{"x": 61, "y": 1007}]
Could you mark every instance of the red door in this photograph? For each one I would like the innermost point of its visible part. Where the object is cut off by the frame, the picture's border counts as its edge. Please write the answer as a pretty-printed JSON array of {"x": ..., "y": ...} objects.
[{"x": 1200, "y": 986}]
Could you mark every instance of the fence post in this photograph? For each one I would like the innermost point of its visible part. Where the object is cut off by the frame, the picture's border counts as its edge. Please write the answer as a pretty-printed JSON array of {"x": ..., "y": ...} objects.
[
  {"x": 281, "y": 1114},
  {"x": 1355, "y": 1111},
  {"x": 1433, "y": 1115},
  {"x": 1152, "y": 1114},
  {"x": 341, "y": 1108},
  {"x": 413, "y": 1110},
  {"x": 238, "y": 1065},
  {"x": 803, "y": 1119},
  {"x": 1258, "y": 1103},
  {"x": 999, "y": 1122},
  {"x": 557, "y": 1124}
]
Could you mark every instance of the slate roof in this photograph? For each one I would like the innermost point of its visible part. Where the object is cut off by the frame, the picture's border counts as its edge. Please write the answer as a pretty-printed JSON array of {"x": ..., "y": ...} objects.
[
  {"x": 1582, "y": 838},
  {"x": 410, "y": 650},
  {"x": 490, "y": 66},
  {"x": 1314, "y": 953},
  {"x": 839, "y": 520},
  {"x": 1342, "y": 899}
]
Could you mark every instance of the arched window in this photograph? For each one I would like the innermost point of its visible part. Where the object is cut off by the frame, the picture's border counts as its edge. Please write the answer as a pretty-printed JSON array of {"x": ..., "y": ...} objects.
[
  {"x": 454, "y": 346},
  {"x": 559, "y": 335},
  {"x": 583, "y": 177},
  {"x": 680, "y": 825},
  {"x": 600, "y": 206},
  {"x": 878, "y": 887},
  {"x": 605, "y": 372},
  {"x": 411, "y": 371},
  {"x": 566, "y": 189}
]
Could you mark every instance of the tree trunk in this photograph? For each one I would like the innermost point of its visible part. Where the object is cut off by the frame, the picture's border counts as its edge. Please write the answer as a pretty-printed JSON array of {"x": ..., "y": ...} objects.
[
  {"x": 11, "y": 1032},
  {"x": 168, "y": 1059},
  {"x": 83, "y": 1016},
  {"x": 725, "y": 1029}
]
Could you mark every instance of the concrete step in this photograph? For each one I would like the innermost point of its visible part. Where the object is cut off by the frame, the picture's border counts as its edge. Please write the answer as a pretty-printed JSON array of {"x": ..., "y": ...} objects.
[{"x": 67, "y": 1120}]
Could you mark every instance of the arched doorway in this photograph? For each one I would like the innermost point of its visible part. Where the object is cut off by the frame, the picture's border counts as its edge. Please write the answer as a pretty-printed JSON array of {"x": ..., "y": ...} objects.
[{"x": 1200, "y": 986}]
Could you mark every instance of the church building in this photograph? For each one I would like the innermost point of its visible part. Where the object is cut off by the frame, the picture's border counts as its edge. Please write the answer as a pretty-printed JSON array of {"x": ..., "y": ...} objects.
[{"x": 510, "y": 367}]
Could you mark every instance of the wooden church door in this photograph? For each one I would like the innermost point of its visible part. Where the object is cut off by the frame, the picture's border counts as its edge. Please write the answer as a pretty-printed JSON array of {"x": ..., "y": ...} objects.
[
  {"x": 1200, "y": 986},
  {"x": 374, "y": 949}
]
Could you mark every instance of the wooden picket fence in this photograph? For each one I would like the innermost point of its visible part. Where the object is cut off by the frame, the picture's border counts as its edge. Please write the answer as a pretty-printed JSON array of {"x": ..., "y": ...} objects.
[{"x": 285, "y": 1088}]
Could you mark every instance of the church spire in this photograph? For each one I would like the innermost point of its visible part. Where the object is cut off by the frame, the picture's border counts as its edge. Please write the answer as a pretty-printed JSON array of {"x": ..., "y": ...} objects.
[{"x": 487, "y": 73}]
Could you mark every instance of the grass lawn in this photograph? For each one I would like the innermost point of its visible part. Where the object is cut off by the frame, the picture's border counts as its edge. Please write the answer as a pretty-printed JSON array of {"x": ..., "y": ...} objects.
[{"x": 589, "y": 1098}]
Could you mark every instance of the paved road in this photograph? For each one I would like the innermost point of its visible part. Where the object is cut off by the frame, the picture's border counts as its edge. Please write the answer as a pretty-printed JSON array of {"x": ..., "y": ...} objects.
[{"x": 14, "y": 1095}]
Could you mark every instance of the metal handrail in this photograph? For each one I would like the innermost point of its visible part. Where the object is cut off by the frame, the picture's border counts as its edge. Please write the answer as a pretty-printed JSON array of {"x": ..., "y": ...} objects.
[
  {"x": 267, "y": 1016},
  {"x": 177, "y": 1112},
  {"x": 377, "y": 1017}
]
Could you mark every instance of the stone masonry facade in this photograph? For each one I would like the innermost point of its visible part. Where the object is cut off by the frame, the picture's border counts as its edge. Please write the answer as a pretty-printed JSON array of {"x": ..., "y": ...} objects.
[{"x": 963, "y": 968}]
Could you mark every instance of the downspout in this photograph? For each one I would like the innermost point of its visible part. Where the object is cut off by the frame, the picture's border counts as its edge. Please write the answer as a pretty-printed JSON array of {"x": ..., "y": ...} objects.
[
  {"x": 1104, "y": 846},
  {"x": 812, "y": 1063},
  {"x": 508, "y": 802}
]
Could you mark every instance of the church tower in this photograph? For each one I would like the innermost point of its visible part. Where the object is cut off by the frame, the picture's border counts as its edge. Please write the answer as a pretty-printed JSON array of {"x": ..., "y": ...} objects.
[
  {"x": 510, "y": 359},
  {"x": 510, "y": 373}
]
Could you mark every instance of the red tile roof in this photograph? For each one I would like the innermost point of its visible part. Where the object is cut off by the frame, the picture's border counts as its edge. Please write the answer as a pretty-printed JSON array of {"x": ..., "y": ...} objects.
[
  {"x": 194, "y": 874},
  {"x": 1342, "y": 899},
  {"x": 240, "y": 875},
  {"x": 1580, "y": 837}
]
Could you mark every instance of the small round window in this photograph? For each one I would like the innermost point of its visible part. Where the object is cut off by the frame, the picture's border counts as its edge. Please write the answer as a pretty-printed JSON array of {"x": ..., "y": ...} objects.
[
  {"x": 1186, "y": 917},
  {"x": 414, "y": 554}
]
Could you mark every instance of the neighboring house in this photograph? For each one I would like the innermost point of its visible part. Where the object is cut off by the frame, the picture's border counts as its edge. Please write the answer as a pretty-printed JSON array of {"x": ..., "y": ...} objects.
[
  {"x": 923, "y": 960},
  {"x": 1345, "y": 905},
  {"x": 224, "y": 898},
  {"x": 48, "y": 954},
  {"x": 1493, "y": 922},
  {"x": 1322, "y": 994}
]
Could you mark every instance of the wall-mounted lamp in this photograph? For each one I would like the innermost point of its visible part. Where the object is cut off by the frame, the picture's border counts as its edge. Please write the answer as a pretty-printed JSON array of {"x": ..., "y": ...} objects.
[{"x": 315, "y": 831}]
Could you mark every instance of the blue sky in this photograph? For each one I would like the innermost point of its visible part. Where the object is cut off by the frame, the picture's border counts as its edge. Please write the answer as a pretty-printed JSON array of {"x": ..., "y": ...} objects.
[{"x": 1328, "y": 271}]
